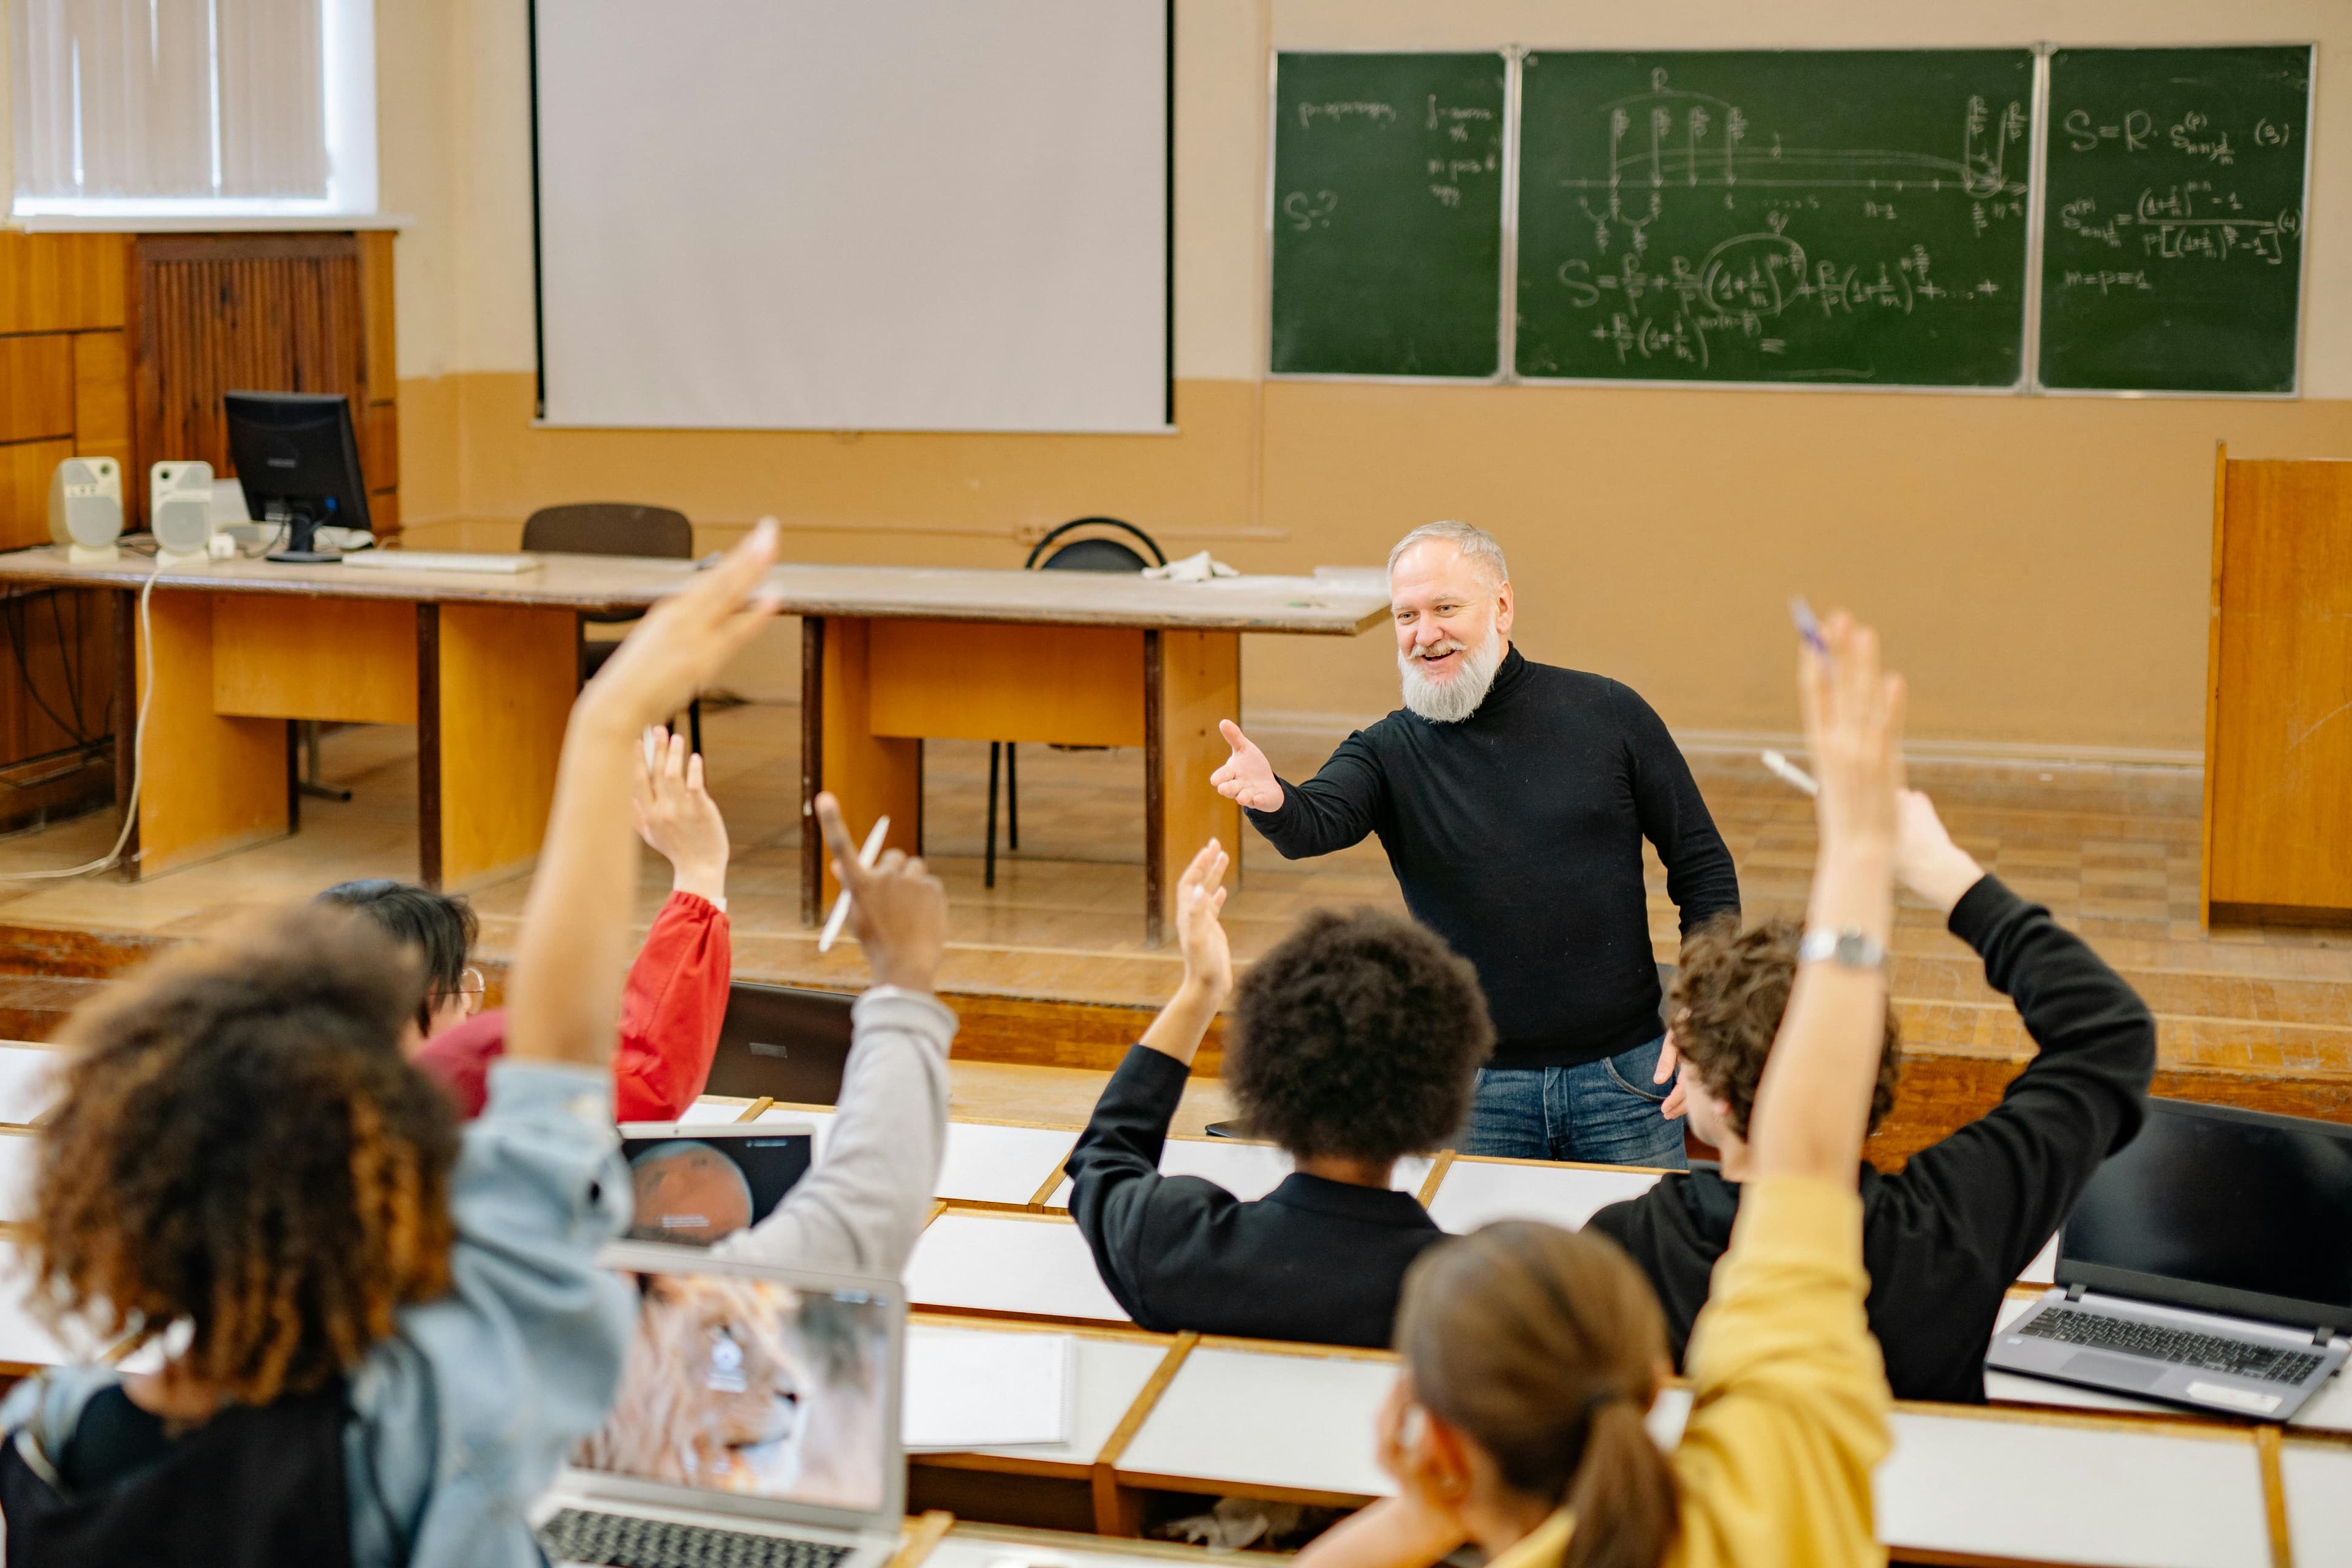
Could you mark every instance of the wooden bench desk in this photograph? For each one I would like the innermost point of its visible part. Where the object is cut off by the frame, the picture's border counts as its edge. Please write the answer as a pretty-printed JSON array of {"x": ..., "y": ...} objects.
[
  {"x": 485, "y": 666},
  {"x": 28, "y": 1083},
  {"x": 1248, "y": 1170}
]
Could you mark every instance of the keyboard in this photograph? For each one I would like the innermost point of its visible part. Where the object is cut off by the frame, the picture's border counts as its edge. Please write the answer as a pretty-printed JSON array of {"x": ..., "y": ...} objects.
[
  {"x": 2185, "y": 1347},
  {"x": 441, "y": 561},
  {"x": 625, "y": 1540}
]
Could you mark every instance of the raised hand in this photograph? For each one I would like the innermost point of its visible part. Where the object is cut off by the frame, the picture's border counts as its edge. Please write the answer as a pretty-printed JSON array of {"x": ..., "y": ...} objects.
[
  {"x": 898, "y": 910},
  {"x": 1926, "y": 862},
  {"x": 686, "y": 640},
  {"x": 1246, "y": 777},
  {"x": 677, "y": 817},
  {"x": 1199, "y": 897},
  {"x": 1853, "y": 727}
]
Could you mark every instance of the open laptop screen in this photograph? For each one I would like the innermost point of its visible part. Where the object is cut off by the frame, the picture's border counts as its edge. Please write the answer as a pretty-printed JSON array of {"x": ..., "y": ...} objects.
[
  {"x": 696, "y": 1183},
  {"x": 2233, "y": 1210},
  {"x": 740, "y": 1385}
]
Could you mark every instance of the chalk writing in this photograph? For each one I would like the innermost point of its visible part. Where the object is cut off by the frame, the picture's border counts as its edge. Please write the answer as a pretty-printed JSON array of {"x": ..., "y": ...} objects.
[{"x": 1689, "y": 231}]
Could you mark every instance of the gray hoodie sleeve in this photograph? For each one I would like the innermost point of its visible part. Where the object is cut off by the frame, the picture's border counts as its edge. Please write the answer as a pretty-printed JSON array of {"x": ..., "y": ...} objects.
[{"x": 861, "y": 1208}]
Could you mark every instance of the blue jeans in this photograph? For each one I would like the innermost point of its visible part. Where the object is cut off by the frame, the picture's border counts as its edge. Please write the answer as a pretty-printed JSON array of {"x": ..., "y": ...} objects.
[{"x": 1604, "y": 1112}]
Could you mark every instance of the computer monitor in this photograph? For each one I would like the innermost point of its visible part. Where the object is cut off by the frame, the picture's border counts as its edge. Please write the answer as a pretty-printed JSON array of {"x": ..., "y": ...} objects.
[
  {"x": 299, "y": 460},
  {"x": 2228, "y": 1210}
]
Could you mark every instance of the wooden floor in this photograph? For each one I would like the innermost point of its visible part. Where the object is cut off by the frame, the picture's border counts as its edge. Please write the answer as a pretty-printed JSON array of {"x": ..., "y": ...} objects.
[{"x": 2112, "y": 850}]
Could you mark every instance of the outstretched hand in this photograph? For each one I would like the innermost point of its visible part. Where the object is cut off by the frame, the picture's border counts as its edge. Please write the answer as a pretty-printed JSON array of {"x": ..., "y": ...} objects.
[
  {"x": 677, "y": 817},
  {"x": 1200, "y": 898},
  {"x": 1926, "y": 862},
  {"x": 1246, "y": 777},
  {"x": 898, "y": 910}
]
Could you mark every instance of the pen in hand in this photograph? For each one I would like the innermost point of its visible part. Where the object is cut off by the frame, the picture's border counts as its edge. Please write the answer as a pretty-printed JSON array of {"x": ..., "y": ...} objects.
[{"x": 866, "y": 859}]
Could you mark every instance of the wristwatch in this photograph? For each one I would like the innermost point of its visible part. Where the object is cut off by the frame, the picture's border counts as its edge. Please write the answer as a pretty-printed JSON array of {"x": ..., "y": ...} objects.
[{"x": 1848, "y": 949}]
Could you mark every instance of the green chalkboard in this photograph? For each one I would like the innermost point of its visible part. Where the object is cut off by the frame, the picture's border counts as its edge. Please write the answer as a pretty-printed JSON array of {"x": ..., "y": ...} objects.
[
  {"x": 1832, "y": 217},
  {"x": 1388, "y": 214},
  {"x": 2173, "y": 234}
]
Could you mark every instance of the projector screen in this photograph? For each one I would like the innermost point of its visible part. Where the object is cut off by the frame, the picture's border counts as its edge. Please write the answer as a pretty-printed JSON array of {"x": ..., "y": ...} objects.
[{"x": 878, "y": 215}]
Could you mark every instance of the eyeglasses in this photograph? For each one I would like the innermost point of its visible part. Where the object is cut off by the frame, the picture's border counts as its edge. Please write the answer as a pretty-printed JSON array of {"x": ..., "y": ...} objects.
[{"x": 475, "y": 988}]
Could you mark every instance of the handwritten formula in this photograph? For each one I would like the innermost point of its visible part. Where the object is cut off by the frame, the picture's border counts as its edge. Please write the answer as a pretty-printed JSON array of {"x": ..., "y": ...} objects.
[
  {"x": 1827, "y": 216},
  {"x": 2173, "y": 246}
]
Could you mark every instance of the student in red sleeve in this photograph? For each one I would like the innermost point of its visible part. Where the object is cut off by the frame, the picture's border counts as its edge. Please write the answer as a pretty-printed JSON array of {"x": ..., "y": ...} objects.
[{"x": 677, "y": 992}]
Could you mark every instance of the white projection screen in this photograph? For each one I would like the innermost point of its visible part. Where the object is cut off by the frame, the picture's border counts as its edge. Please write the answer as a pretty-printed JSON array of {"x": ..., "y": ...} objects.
[{"x": 853, "y": 214}]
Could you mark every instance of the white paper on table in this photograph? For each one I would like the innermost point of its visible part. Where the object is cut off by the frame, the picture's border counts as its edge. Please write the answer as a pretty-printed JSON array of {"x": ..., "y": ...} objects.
[{"x": 969, "y": 1388}]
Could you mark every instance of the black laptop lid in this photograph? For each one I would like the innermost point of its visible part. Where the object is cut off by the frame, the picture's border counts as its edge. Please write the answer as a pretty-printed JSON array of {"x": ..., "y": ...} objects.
[
  {"x": 2228, "y": 1210},
  {"x": 783, "y": 1042}
]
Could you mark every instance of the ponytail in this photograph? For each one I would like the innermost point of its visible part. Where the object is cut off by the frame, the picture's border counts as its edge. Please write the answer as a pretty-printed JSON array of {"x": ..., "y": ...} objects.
[
  {"x": 1544, "y": 1346},
  {"x": 1622, "y": 1494}
]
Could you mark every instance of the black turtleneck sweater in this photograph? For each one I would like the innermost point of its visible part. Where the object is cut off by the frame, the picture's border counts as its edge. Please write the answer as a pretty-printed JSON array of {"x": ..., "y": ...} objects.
[{"x": 1516, "y": 835}]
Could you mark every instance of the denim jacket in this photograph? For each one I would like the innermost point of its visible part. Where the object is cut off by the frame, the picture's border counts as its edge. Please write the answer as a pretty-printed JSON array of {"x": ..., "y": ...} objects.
[{"x": 461, "y": 1418}]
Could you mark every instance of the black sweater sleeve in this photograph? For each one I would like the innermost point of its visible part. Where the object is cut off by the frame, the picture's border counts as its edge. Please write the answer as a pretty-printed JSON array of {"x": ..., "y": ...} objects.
[
  {"x": 2014, "y": 1172},
  {"x": 1139, "y": 1224},
  {"x": 1700, "y": 876},
  {"x": 1333, "y": 810}
]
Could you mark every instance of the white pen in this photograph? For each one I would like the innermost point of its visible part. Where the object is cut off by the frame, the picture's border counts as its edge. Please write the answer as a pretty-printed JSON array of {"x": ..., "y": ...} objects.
[
  {"x": 1791, "y": 772},
  {"x": 841, "y": 905}
]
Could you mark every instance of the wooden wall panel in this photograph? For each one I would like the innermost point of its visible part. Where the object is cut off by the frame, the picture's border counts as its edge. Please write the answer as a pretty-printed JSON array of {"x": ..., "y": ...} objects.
[
  {"x": 25, "y": 470},
  {"x": 2282, "y": 740},
  {"x": 61, "y": 282},
  {"x": 36, "y": 387},
  {"x": 213, "y": 314},
  {"x": 102, "y": 392}
]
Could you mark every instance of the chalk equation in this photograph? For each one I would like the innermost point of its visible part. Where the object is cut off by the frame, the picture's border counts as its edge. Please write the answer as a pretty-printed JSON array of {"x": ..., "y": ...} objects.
[
  {"x": 2190, "y": 220},
  {"x": 1457, "y": 159},
  {"x": 1698, "y": 235}
]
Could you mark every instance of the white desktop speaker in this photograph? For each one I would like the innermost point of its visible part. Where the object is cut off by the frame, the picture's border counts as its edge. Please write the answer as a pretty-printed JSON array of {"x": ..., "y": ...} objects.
[
  {"x": 180, "y": 511},
  {"x": 86, "y": 507}
]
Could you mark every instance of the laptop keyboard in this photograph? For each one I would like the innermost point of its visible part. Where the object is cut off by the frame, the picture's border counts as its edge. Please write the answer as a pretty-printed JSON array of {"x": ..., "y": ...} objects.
[
  {"x": 2240, "y": 1358},
  {"x": 625, "y": 1540}
]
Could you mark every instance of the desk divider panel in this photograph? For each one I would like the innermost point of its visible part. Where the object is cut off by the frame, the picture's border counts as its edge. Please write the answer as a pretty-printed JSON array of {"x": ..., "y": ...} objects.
[
  {"x": 503, "y": 682},
  {"x": 974, "y": 680},
  {"x": 228, "y": 788},
  {"x": 341, "y": 660}
]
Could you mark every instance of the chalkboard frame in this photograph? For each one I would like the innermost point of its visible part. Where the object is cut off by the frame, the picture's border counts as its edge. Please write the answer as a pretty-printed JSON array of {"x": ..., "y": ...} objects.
[
  {"x": 1506, "y": 311},
  {"x": 2293, "y": 391},
  {"x": 2024, "y": 385}
]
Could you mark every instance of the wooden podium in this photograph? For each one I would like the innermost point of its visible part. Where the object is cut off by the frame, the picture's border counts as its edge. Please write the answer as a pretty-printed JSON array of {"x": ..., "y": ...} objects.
[{"x": 2278, "y": 698}]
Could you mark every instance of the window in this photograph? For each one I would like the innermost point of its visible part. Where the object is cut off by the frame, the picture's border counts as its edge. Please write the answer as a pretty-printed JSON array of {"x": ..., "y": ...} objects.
[{"x": 194, "y": 107}]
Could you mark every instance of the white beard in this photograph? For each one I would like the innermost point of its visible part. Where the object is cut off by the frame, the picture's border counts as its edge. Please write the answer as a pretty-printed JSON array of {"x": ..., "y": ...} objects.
[{"x": 1451, "y": 702}]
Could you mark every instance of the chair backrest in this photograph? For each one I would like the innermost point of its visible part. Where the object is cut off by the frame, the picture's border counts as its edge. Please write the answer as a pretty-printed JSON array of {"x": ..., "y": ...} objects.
[
  {"x": 610, "y": 528},
  {"x": 782, "y": 1041},
  {"x": 1095, "y": 554}
]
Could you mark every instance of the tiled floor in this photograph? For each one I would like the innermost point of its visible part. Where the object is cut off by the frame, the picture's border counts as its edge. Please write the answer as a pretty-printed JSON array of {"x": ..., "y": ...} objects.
[{"x": 2113, "y": 850}]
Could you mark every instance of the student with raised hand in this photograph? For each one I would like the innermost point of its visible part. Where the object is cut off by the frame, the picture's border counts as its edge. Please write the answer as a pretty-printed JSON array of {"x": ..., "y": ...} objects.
[
  {"x": 862, "y": 1206},
  {"x": 676, "y": 998},
  {"x": 1531, "y": 1355},
  {"x": 1354, "y": 1043},
  {"x": 1944, "y": 1239},
  {"x": 378, "y": 1334}
]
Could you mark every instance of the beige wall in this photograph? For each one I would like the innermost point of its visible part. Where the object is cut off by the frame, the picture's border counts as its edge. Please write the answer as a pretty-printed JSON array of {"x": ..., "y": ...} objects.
[{"x": 2040, "y": 565}]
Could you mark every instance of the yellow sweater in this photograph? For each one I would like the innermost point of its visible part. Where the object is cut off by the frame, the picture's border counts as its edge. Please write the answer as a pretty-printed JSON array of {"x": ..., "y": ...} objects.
[{"x": 1789, "y": 1409}]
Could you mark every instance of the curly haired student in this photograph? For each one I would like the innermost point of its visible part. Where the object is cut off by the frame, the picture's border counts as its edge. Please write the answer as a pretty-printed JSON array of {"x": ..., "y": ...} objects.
[
  {"x": 1354, "y": 1043},
  {"x": 376, "y": 1334}
]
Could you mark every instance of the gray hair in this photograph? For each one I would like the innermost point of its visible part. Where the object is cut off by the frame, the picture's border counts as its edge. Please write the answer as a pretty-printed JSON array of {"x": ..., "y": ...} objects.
[{"x": 1477, "y": 546}]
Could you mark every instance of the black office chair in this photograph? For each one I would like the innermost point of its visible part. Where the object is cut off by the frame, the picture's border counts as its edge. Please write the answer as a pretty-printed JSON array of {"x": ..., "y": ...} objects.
[
  {"x": 1095, "y": 555},
  {"x": 614, "y": 527}
]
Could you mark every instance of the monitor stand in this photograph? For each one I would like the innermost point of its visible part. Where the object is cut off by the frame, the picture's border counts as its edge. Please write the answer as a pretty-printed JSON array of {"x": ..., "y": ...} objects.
[{"x": 301, "y": 541}]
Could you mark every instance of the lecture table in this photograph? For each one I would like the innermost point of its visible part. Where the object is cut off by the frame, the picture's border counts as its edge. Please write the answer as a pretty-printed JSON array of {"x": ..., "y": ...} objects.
[{"x": 484, "y": 664}]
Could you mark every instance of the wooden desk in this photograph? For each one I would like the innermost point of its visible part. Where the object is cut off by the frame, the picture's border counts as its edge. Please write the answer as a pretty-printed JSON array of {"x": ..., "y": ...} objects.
[
  {"x": 990, "y": 1546},
  {"x": 1293, "y": 1423},
  {"x": 484, "y": 666},
  {"x": 1080, "y": 658}
]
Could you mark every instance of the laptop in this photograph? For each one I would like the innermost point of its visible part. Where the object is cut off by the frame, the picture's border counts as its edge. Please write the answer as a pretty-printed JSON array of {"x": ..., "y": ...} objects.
[
  {"x": 695, "y": 1182},
  {"x": 756, "y": 1424},
  {"x": 2207, "y": 1264},
  {"x": 783, "y": 1042}
]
